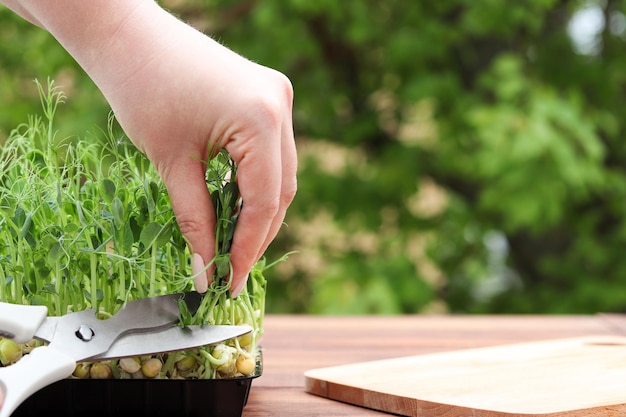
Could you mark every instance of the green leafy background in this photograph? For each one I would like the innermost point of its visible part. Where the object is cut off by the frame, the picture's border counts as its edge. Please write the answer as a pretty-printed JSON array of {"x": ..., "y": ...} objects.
[{"x": 455, "y": 156}]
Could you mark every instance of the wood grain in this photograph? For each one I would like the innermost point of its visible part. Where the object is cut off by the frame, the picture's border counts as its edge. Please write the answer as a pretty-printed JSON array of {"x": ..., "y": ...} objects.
[
  {"x": 574, "y": 377},
  {"x": 294, "y": 344}
]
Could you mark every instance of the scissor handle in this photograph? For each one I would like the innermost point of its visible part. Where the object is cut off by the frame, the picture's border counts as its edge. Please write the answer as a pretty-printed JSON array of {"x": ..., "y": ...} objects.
[
  {"x": 20, "y": 322},
  {"x": 41, "y": 367}
]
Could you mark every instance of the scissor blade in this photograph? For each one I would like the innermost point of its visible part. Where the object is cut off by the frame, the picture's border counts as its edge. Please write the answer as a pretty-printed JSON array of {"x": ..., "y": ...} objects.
[
  {"x": 170, "y": 340},
  {"x": 47, "y": 328},
  {"x": 82, "y": 335},
  {"x": 75, "y": 337}
]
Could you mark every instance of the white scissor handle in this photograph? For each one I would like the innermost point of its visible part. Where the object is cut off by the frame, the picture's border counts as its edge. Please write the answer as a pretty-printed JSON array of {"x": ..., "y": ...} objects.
[
  {"x": 20, "y": 322},
  {"x": 41, "y": 367}
]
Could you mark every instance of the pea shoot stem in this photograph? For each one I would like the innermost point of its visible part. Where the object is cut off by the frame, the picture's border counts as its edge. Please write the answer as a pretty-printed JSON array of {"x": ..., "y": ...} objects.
[{"x": 89, "y": 224}]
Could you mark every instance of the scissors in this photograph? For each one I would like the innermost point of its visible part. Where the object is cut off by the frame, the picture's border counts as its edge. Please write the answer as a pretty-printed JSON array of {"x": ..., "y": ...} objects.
[{"x": 141, "y": 327}]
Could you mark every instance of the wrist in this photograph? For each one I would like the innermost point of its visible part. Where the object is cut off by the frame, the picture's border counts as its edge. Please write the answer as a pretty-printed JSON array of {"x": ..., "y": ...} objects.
[{"x": 108, "y": 38}]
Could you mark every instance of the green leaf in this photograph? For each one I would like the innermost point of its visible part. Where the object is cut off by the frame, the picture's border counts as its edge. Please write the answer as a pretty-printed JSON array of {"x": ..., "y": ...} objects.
[
  {"x": 222, "y": 265},
  {"x": 30, "y": 239},
  {"x": 80, "y": 214},
  {"x": 19, "y": 217},
  {"x": 143, "y": 210},
  {"x": 37, "y": 158},
  {"x": 127, "y": 238},
  {"x": 165, "y": 235},
  {"x": 136, "y": 228},
  {"x": 151, "y": 189},
  {"x": 117, "y": 207},
  {"x": 49, "y": 288},
  {"x": 155, "y": 233},
  {"x": 26, "y": 225},
  {"x": 38, "y": 300},
  {"x": 107, "y": 190},
  {"x": 55, "y": 252},
  {"x": 71, "y": 228}
]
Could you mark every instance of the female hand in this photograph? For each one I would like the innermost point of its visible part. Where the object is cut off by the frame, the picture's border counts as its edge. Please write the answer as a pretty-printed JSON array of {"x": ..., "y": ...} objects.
[{"x": 179, "y": 94}]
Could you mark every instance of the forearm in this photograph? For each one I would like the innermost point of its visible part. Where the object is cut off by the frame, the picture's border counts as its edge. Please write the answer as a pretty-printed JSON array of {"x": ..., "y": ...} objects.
[
  {"x": 76, "y": 22},
  {"x": 110, "y": 39},
  {"x": 178, "y": 94},
  {"x": 19, "y": 9}
]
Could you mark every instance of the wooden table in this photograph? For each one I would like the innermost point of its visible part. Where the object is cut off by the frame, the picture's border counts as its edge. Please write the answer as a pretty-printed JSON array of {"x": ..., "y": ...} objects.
[{"x": 294, "y": 344}]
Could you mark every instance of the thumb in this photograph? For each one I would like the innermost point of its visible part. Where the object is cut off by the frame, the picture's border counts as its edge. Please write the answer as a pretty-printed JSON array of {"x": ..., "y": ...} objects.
[{"x": 195, "y": 215}]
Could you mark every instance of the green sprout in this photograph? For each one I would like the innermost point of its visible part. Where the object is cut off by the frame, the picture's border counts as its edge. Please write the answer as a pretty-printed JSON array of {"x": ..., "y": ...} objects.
[{"x": 89, "y": 224}]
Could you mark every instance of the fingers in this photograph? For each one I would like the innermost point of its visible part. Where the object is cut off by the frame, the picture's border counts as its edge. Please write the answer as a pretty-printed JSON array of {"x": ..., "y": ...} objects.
[
  {"x": 259, "y": 185},
  {"x": 261, "y": 142},
  {"x": 289, "y": 163},
  {"x": 195, "y": 215},
  {"x": 267, "y": 188},
  {"x": 266, "y": 176}
]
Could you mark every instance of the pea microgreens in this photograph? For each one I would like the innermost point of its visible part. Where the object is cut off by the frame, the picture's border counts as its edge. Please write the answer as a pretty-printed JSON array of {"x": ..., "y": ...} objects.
[{"x": 88, "y": 224}]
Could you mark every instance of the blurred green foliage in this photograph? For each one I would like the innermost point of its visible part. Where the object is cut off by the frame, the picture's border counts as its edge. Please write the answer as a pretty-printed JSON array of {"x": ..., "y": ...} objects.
[{"x": 455, "y": 156}]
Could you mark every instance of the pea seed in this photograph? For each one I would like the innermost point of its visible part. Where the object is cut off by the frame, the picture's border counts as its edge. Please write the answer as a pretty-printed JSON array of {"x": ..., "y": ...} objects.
[
  {"x": 151, "y": 367},
  {"x": 10, "y": 352},
  {"x": 245, "y": 340},
  {"x": 130, "y": 365},
  {"x": 245, "y": 365},
  {"x": 100, "y": 370},
  {"x": 82, "y": 370},
  {"x": 187, "y": 363}
]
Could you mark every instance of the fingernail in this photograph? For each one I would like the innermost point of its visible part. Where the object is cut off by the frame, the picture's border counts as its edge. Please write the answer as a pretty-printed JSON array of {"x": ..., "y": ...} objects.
[
  {"x": 235, "y": 292},
  {"x": 200, "y": 280}
]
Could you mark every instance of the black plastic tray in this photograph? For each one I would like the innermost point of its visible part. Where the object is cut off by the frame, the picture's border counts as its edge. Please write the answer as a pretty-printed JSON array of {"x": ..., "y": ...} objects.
[{"x": 142, "y": 397}]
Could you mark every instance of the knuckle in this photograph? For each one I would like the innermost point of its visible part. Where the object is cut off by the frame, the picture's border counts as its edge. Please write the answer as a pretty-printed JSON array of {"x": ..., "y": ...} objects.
[
  {"x": 287, "y": 86},
  {"x": 271, "y": 207},
  {"x": 189, "y": 225},
  {"x": 289, "y": 193},
  {"x": 267, "y": 113},
  {"x": 269, "y": 109}
]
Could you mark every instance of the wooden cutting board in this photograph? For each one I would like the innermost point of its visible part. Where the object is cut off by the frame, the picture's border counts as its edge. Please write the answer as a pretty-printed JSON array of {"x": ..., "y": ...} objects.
[{"x": 565, "y": 377}]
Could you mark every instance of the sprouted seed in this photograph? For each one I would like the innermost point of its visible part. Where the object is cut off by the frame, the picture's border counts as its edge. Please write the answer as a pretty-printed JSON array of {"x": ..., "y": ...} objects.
[
  {"x": 10, "y": 352},
  {"x": 186, "y": 363},
  {"x": 151, "y": 367},
  {"x": 82, "y": 370},
  {"x": 88, "y": 224},
  {"x": 245, "y": 365},
  {"x": 100, "y": 370},
  {"x": 130, "y": 365}
]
